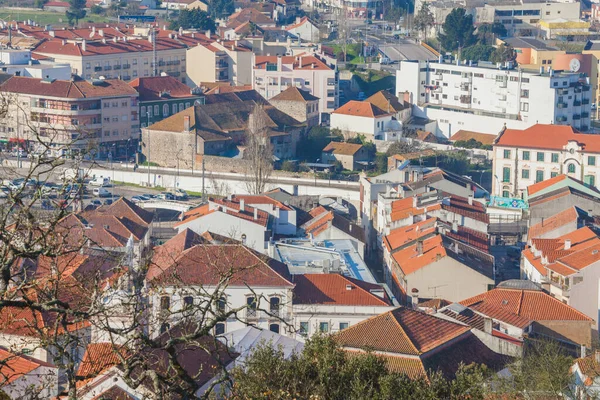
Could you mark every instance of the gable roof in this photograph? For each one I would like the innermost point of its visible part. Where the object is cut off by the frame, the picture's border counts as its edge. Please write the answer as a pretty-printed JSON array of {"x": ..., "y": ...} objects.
[
  {"x": 361, "y": 109},
  {"x": 547, "y": 225},
  {"x": 335, "y": 289},
  {"x": 521, "y": 307},
  {"x": 298, "y": 24},
  {"x": 461, "y": 206},
  {"x": 73, "y": 89},
  {"x": 557, "y": 183},
  {"x": 342, "y": 148},
  {"x": 230, "y": 207},
  {"x": 386, "y": 101},
  {"x": 13, "y": 366},
  {"x": 298, "y": 62},
  {"x": 402, "y": 236},
  {"x": 262, "y": 199},
  {"x": 161, "y": 88},
  {"x": 402, "y": 331},
  {"x": 292, "y": 93},
  {"x": 411, "y": 261},
  {"x": 483, "y": 138},
  {"x": 548, "y": 137}
]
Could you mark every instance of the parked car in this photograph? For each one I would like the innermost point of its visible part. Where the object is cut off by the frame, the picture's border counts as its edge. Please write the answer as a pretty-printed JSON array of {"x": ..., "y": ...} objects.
[
  {"x": 96, "y": 203},
  {"x": 100, "y": 181},
  {"x": 166, "y": 196},
  {"x": 108, "y": 202},
  {"x": 137, "y": 199},
  {"x": 179, "y": 194},
  {"x": 101, "y": 192}
]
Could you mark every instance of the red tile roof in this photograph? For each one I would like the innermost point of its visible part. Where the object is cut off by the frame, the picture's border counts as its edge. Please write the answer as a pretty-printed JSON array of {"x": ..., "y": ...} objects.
[
  {"x": 13, "y": 366},
  {"x": 521, "y": 307},
  {"x": 210, "y": 264},
  {"x": 536, "y": 187},
  {"x": 570, "y": 215},
  {"x": 401, "y": 331},
  {"x": 483, "y": 138},
  {"x": 77, "y": 89},
  {"x": 261, "y": 199},
  {"x": 472, "y": 237},
  {"x": 461, "y": 206},
  {"x": 361, "y": 109},
  {"x": 319, "y": 224},
  {"x": 298, "y": 24},
  {"x": 99, "y": 357},
  {"x": 335, "y": 289},
  {"x": 347, "y": 149},
  {"x": 298, "y": 62},
  {"x": 114, "y": 393},
  {"x": 230, "y": 207},
  {"x": 161, "y": 88},
  {"x": 548, "y": 137},
  {"x": 407, "y": 234},
  {"x": 411, "y": 261}
]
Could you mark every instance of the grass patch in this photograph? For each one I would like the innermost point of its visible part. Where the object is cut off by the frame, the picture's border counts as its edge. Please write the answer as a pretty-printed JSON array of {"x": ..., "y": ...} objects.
[
  {"x": 46, "y": 17},
  {"x": 146, "y": 163},
  {"x": 155, "y": 188},
  {"x": 374, "y": 81}
]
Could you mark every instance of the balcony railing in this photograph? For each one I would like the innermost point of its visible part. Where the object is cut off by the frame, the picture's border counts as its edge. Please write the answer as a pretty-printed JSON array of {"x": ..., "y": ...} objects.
[
  {"x": 126, "y": 66},
  {"x": 577, "y": 103},
  {"x": 585, "y": 101},
  {"x": 260, "y": 314},
  {"x": 117, "y": 67},
  {"x": 107, "y": 68},
  {"x": 576, "y": 116}
]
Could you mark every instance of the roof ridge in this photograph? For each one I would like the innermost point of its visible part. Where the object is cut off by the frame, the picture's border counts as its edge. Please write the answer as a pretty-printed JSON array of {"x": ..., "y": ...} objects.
[
  {"x": 417, "y": 351},
  {"x": 357, "y": 283},
  {"x": 255, "y": 254}
]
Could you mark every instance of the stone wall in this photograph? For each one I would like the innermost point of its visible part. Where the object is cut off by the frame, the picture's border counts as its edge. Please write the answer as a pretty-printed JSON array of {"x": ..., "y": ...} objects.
[
  {"x": 166, "y": 148},
  {"x": 579, "y": 332}
]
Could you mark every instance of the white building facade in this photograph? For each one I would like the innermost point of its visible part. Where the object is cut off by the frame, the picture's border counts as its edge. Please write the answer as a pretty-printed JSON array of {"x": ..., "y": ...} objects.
[{"x": 486, "y": 98}]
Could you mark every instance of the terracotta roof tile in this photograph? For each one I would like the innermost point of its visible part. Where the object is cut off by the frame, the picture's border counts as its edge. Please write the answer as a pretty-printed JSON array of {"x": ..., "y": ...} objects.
[
  {"x": 589, "y": 366},
  {"x": 77, "y": 89},
  {"x": 554, "y": 222},
  {"x": 332, "y": 289},
  {"x": 523, "y": 305},
  {"x": 298, "y": 62},
  {"x": 402, "y": 331},
  {"x": 407, "y": 234},
  {"x": 411, "y": 261},
  {"x": 99, "y": 357},
  {"x": 461, "y": 206},
  {"x": 536, "y": 187},
  {"x": 161, "y": 88},
  {"x": 433, "y": 303},
  {"x": 386, "y": 101},
  {"x": 292, "y": 93},
  {"x": 555, "y": 137},
  {"x": 114, "y": 393},
  {"x": 348, "y": 149},
  {"x": 361, "y": 109},
  {"x": 13, "y": 366},
  {"x": 261, "y": 199},
  {"x": 466, "y": 316},
  {"x": 483, "y": 138},
  {"x": 230, "y": 207}
]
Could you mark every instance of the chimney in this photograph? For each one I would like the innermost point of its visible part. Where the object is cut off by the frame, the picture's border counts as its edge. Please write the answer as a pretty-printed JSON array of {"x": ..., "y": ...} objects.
[
  {"x": 103, "y": 40},
  {"x": 470, "y": 199},
  {"x": 278, "y": 63},
  {"x": 83, "y": 45},
  {"x": 208, "y": 33},
  {"x": 348, "y": 287},
  {"x": 415, "y": 297},
  {"x": 406, "y": 97},
  {"x": 255, "y": 213},
  {"x": 101, "y": 32},
  {"x": 93, "y": 30},
  {"x": 180, "y": 31},
  {"x": 64, "y": 42},
  {"x": 420, "y": 247},
  {"x": 115, "y": 39},
  {"x": 567, "y": 244},
  {"x": 487, "y": 325},
  {"x": 242, "y": 205},
  {"x": 186, "y": 124},
  {"x": 415, "y": 201}
]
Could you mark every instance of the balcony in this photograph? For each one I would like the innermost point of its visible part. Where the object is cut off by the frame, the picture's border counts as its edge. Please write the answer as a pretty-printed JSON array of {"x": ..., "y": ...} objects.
[
  {"x": 175, "y": 73},
  {"x": 251, "y": 314},
  {"x": 126, "y": 66},
  {"x": 576, "y": 117},
  {"x": 577, "y": 103},
  {"x": 561, "y": 105},
  {"x": 585, "y": 101},
  {"x": 117, "y": 67},
  {"x": 221, "y": 64},
  {"x": 97, "y": 69},
  {"x": 107, "y": 68},
  {"x": 176, "y": 62},
  {"x": 161, "y": 63},
  {"x": 562, "y": 92},
  {"x": 561, "y": 119}
]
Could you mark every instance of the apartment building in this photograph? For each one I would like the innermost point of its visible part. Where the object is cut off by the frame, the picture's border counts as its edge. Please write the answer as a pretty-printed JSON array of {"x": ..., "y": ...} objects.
[
  {"x": 78, "y": 113},
  {"x": 220, "y": 61},
  {"x": 485, "y": 98},
  {"x": 524, "y": 157},
  {"x": 123, "y": 58},
  {"x": 272, "y": 75}
]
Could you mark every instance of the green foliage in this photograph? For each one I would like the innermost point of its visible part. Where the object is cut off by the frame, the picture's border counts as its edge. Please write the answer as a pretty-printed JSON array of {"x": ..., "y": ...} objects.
[
  {"x": 39, "y": 3},
  {"x": 289, "y": 166},
  {"x": 324, "y": 371},
  {"x": 97, "y": 10},
  {"x": 381, "y": 165},
  {"x": 472, "y": 144},
  {"x": 424, "y": 19},
  {"x": 76, "y": 11},
  {"x": 503, "y": 53},
  {"x": 456, "y": 162},
  {"x": 220, "y": 8},
  {"x": 458, "y": 30},
  {"x": 401, "y": 148},
  {"x": 309, "y": 147},
  {"x": 394, "y": 14},
  {"x": 487, "y": 32},
  {"x": 477, "y": 52},
  {"x": 193, "y": 19}
]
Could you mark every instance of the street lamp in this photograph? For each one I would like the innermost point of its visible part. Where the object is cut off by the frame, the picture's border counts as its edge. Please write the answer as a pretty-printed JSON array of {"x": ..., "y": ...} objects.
[
  {"x": 177, "y": 156},
  {"x": 127, "y": 153}
]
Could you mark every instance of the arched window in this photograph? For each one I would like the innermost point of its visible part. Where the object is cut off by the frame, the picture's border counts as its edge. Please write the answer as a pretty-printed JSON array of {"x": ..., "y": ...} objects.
[
  {"x": 166, "y": 110},
  {"x": 221, "y": 304},
  {"x": 571, "y": 168},
  {"x": 174, "y": 108},
  {"x": 156, "y": 111},
  {"x": 180, "y": 107}
]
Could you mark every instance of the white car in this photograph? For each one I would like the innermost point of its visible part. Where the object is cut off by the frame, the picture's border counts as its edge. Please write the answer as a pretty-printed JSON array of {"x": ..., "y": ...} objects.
[
  {"x": 101, "y": 192},
  {"x": 100, "y": 181}
]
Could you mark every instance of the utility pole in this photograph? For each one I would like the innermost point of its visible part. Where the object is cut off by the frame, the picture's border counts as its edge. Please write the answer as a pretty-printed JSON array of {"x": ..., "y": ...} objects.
[
  {"x": 203, "y": 170},
  {"x": 148, "y": 141}
]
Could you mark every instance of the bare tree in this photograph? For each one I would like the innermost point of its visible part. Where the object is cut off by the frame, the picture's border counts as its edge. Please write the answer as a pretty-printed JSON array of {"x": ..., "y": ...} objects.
[
  {"x": 258, "y": 152},
  {"x": 344, "y": 29}
]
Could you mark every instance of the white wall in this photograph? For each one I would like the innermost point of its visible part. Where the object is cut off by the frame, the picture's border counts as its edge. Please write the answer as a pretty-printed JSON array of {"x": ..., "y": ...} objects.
[
  {"x": 41, "y": 383},
  {"x": 367, "y": 126}
]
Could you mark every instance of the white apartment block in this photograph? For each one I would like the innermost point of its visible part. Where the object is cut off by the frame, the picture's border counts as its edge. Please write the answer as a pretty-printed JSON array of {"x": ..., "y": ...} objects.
[
  {"x": 485, "y": 98},
  {"x": 273, "y": 74},
  {"x": 541, "y": 152}
]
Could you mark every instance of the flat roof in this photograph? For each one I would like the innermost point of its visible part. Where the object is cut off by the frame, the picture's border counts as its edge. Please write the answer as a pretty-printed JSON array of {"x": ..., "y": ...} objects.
[{"x": 528, "y": 43}]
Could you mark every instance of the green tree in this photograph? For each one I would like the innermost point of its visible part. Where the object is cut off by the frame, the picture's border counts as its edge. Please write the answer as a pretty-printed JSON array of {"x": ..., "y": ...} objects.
[
  {"x": 76, "y": 11},
  {"x": 424, "y": 20},
  {"x": 503, "y": 53},
  {"x": 193, "y": 19},
  {"x": 458, "y": 30},
  {"x": 309, "y": 147},
  {"x": 477, "y": 52},
  {"x": 39, "y": 3},
  {"x": 97, "y": 10},
  {"x": 486, "y": 33},
  {"x": 220, "y": 8}
]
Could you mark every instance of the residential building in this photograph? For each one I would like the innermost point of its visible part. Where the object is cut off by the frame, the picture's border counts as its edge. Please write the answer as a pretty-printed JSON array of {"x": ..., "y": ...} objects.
[
  {"x": 586, "y": 374},
  {"x": 24, "y": 376},
  {"x": 180, "y": 4},
  {"x": 284, "y": 216},
  {"x": 19, "y": 62},
  {"x": 559, "y": 224},
  {"x": 298, "y": 104},
  {"x": 521, "y": 309},
  {"x": 592, "y": 48},
  {"x": 163, "y": 96},
  {"x": 485, "y": 98},
  {"x": 389, "y": 103},
  {"x": 569, "y": 266},
  {"x": 363, "y": 118},
  {"x": 219, "y": 61},
  {"x": 350, "y": 155},
  {"x": 215, "y": 128},
  {"x": 230, "y": 218},
  {"x": 184, "y": 264},
  {"x": 416, "y": 344},
  {"x": 563, "y": 28},
  {"x": 272, "y": 75},
  {"x": 72, "y": 114},
  {"x": 541, "y": 152},
  {"x": 331, "y": 302},
  {"x": 305, "y": 29},
  {"x": 465, "y": 136},
  {"x": 245, "y": 341}
]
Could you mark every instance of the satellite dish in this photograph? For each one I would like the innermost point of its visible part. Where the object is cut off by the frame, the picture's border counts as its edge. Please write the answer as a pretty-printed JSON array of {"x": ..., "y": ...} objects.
[{"x": 574, "y": 65}]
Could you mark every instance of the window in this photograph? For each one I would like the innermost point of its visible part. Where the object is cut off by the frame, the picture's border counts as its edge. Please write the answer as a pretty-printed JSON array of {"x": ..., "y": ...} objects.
[
  {"x": 124, "y": 103},
  {"x": 505, "y": 193},
  {"x": 526, "y": 155},
  {"x": 324, "y": 327},
  {"x": 164, "y": 327},
  {"x": 187, "y": 104},
  {"x": 134, "y": 62},
  {"x": 174, "y": 108},
  {"x": 274, "y": 328},
  {"x": 540, "y": 156},
  {"x": 124, "y": 117},
  {"x": 571, "y": 168},
  {"x": 505, "y": 174},
  {"x": 343, "y": 325},
  {"x": 592, "y": 160},
  {"x": 219, "y": 328},
  {"x": 188, "y": 302},
  {"x": 165, "y": 303},
  {"x": 539, "y": 176},
  {"x": 525, "y": 174},
  {"x": 553, "y": 174},
  {"x": 106, "y": 133},
  {"x": 180, "y": 107},
  {"x": 554, "y": 157},
  {"x": 165, "y": 110},
  {"x": 221, "y": 304},
  {"x": 143, "y": 110},
  {"x": 107, "y": 105},
  {"x": 87, "y": 66},
  {"x": 274, "y": 303},
  {"x": 589, "y": 180},
  {"x": 251, "y": 306},
  {"x": 303, "y": 328},
  {"x": 156, "y": 110},
  {"x": 150, "y": 111},
  {"x": 506, "y": 154},
  {"x": 525, "y": 107}
]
